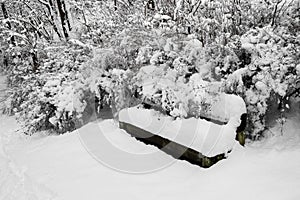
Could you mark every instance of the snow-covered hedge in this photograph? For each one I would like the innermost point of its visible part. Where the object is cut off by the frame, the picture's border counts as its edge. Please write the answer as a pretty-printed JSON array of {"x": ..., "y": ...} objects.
[
  {"x": 193, "y": 52},
  {"x": 53, "y": 96},
  {"x": 271, "y": 76}
]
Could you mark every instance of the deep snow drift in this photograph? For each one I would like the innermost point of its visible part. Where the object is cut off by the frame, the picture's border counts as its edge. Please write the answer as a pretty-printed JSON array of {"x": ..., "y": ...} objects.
[
  {"x": 68, "y": 167},
  {"x": 63, "y": 165}
]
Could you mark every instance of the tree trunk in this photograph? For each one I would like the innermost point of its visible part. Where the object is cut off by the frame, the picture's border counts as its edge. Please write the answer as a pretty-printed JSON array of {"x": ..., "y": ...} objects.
[
  {"x": 63, "y": 18},
  {"x": 115, "y": 4},
  {"x": 67, "y": 16},
  {"x": 51, "y": 11},
  {"x": 5, "y": 15},
  {"x": 35, "y": 62}
]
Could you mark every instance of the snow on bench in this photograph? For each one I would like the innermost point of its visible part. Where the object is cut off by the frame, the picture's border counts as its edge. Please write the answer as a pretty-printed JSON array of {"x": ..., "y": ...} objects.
[{"x": 205, "y": 137}]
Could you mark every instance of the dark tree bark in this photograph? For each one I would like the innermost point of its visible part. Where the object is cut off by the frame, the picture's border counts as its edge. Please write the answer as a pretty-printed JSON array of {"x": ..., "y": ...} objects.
[
  {"x": 151, "y": 5},
  {"x": 66, "y": 14},
  {"x": 5, "y": 15},
  {"x": 275, "y": 13},
  {"x": 51, "y": 11},
  {"x": 115, "y": 4},
  {"x": 35, "y": 62},
  {"x": 63, "y": 17}
]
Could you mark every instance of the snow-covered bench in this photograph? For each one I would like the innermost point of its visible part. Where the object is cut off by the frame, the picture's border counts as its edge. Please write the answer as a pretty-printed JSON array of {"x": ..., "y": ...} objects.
[
  {"x": 184, "y": 115},
  {"x": 196, "y": 140}
]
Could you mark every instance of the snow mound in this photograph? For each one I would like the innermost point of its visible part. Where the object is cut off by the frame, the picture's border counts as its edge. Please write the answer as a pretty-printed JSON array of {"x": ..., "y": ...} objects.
[
  {"x": 227, "y": 106},
  {"x": 203, "y": 136}
]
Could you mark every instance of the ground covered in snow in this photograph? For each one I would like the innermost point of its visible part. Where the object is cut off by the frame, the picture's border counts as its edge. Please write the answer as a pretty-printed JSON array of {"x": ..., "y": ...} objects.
[{"x": 78, "y": 165}]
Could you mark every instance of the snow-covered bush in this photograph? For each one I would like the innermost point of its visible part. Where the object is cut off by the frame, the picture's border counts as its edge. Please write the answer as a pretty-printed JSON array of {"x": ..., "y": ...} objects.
[
  {"x": 53, "y": 96},
  {"x": 173, "y": 77},
  {"x": 270, "y": 76},
  {"x": 177, "y": 55},
  {"x": 260, "y": 66},
  {"x": 108, "y": 77}
]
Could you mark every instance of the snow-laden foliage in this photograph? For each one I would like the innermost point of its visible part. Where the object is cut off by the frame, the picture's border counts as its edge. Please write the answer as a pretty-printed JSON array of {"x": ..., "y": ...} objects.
[
  {"x": 109, "y": 81},
  {"x": 53, "y": 96},
  {"x": 272, "y": 71},
  {"x": 173, "y": 77}
]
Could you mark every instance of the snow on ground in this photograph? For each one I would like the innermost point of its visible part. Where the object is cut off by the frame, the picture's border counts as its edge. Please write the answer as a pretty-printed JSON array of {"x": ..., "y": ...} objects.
[
  {"x": 14, "y": 182},
  {"x": 65, "y": 168}
]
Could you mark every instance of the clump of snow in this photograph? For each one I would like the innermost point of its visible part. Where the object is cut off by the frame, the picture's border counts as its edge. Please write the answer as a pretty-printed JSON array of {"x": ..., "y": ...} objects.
[
  {"x": 156, "y": 58},
  {"x": 298, "y": 68},
  {"x": 227, "y": 106},
  {"x": 158, "y": 16},
  {"x": 144, "y": 54}
]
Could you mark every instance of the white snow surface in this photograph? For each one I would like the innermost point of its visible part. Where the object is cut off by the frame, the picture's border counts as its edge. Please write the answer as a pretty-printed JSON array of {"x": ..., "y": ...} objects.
[
  {"x": 62, "y": 164},
  {"x": 203, "y": 136},
  {"x": 226, "y": 107},
  {"x": 60, "y": 168},
  {"x": 15, "y": 184}
]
